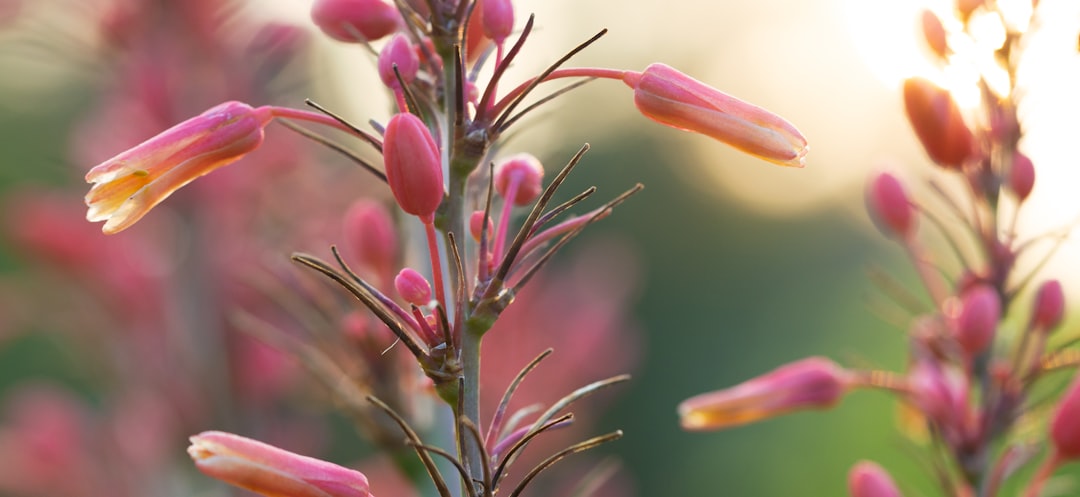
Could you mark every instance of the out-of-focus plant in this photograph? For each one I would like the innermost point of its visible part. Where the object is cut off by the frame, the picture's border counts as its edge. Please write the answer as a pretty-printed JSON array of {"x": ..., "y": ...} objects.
[{"x": 983, "y": 339}]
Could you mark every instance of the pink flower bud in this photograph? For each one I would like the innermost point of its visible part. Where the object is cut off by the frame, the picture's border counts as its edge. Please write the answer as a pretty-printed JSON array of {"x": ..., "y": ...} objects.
[
  {"x": 476, "y": 225},
  {"x": 127, "y": 186},
  {"x": 934, "y": 34},
  {"x": 1064, "y": 429},
  {"x": 868, "y": 479},
  {"x": 271, "y": 471},
  {"x": 980, "y": 310},
  {"x": 937, "y": 122},
  {"x": 413, "y": 166},
  {"x": 939, "y": 393},
  {"x": 398, "y": 51},
  {"x": 1049, "y": 306},
  {"x": 812, "y": 383},
  {"x": 413, "y": 287},
  {"x": 369, "y": 236},
  {"x": 497, "y": 19},
  {"x": 1021, "y": 176},
  {"x": 355, "y": 20},
  {"x": 672, "y": 98},
  {"x": 890, "y": 206},
  {"x": 525, "y": 173}
]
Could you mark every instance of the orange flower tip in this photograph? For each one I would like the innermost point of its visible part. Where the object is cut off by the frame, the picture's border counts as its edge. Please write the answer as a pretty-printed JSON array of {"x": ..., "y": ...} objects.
[
  {"x": 812, "y": 383},
  {"x": 127, "y": 186},
  {"x": 674, "y": 99}
]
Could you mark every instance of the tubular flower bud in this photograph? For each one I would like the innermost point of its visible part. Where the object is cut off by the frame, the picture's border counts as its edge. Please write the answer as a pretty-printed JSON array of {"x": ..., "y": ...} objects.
[
  {"x": 934, "y": 34},
  {"x": 398, "y": 52},
  {"x": 497, "y": 19},
  {"x": 1064, "y": 430},
  {"x": 413, "y": 287},
  {"x": 890, "y": 206},
  {"x": 369, "y": 235},
  {"x": 1021, "y": 176},
  {"x": 270, "y": 471},
  {"x": 1049, "y": 306},
  {"x": 524, "y": 171},
  {"x": 812, "y": 383},
  {"x": 868, "y": 479},
  {"x": 672, "y": 98},
  {"x": 127, "y": 186},
  {"x": 937, "y": 122},
  {"x": 355, "y": 20},
  {"x": 413, "y": 166},
  {"x": 980, "y": 309}
]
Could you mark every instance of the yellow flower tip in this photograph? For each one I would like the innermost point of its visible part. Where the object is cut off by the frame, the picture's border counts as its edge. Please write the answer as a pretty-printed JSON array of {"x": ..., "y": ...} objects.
[{"x": 129, "y": 185}]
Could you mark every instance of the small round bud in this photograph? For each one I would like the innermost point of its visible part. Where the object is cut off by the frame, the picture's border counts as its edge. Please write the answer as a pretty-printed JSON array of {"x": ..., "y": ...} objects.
[
  {"x": 355, "y": 20},
  {"x": 524, "y": 171},
  {"x": 413, "y": 166},
  {"x": 868, "y": 479},
  {"x": 413, "y": 287},
  {"x": 890, "y": 207},
  {"x": 1049, "y": 306},
  {"x": 476, "y": 224},
  {"x": 1021, "y": 176},
  {"x": 497, "y": 19},
  {"x": 398, "y": 52},
  {"x": 980, "y": 310}
]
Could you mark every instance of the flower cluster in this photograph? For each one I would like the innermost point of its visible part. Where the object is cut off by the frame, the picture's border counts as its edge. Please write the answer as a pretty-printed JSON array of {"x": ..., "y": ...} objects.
[
  {"x": 973, "y": 366},
  {"x": 440, "y": 156}
]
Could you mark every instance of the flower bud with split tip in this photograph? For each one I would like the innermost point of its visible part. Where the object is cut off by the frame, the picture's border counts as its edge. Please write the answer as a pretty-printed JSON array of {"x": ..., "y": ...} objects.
[
  {"x": 270, "y": 471},
  {"x": 812, "y": 383},
  {"x": 127, "y": 186},
  {"x": 672, "y": 98}
]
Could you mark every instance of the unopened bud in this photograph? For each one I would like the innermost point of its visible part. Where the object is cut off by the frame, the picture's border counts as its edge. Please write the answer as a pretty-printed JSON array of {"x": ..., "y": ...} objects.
[
  {"x": 399, "y": 53},
  {"x": 890, "y": 207},
  {"x": 524, "y": 172},
  {"x": 476, "y": 225},
  {"x": 355, "y": 20},
  {"x": 674, "y": 99},
  {"x": 497, "y": 19},
  {"x": 1049, "y": 306},
  {"x": 980, "y": 310},
  {"x": 413, "y": 287},
  {"x": 934, "y": 34},
  {"x": 937, "y": 122},
  {"x": 1065, "y": 430},
  {"x": 868, "y": 479},
  {"x": 413, "y": 166},
  {"x": 1021, "y": 176},
  {"x": 812, "y": 383},
  {"x": 370, "y": 237}
]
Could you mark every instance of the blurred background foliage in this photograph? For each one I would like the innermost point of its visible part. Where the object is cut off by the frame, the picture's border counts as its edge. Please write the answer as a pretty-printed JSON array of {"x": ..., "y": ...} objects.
[{"x": 744, "y": 266}]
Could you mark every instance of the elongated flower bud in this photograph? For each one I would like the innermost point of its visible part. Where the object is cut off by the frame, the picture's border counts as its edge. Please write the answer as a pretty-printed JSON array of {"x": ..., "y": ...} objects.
[
  {"x": 1065, "y": 430},
  {"x": 980, "y": 310},
  {"x": 934, "y": 34},
  {"x": 937, "y": 122},
  {"x": 497, "y": 19},
  {"x": 524, "y": 172},
  {"x": 398, "y": 52},
  {"x": 868, "y": 479},
  {"x": 890, "y": 206},
  {"x": 355, "y": 20},
  {"x": 1021, "y": 176},
  {"x": 1049, "y": 306},
  {"x": 413, "y": 166},
  {"x": 127, "y": 186},
  {"x": 271, "y": 471},
  {"x": 413, "y": 287},
  {"x": 812, "y": 383},
  {"x": 672, "y": 98}
]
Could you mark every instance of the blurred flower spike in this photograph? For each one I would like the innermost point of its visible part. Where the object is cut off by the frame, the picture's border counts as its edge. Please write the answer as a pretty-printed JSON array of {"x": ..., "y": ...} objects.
[
  {"x": 670, "y": 97},
  {"x": 270, "y": 471},
  {"x": 127, "y": 186},
  {"x": 811, "y": 383}
]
